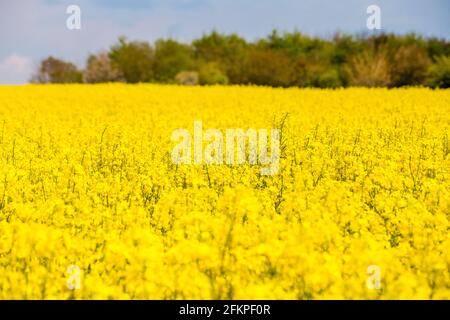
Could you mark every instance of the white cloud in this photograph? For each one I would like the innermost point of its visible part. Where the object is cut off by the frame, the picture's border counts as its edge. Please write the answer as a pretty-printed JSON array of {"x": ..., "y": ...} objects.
[{"x": 15, "y": 69}]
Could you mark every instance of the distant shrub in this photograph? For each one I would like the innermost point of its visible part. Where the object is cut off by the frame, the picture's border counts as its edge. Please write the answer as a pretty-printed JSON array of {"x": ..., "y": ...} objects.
[
  {"x": 187, "y": 78},
  {"x": 328, "y": 79},
  {"x": 210, "y": 74}
]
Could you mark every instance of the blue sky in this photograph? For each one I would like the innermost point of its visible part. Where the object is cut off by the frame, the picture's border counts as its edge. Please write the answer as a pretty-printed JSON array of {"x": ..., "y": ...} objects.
[{"x": 30, "y": 30}]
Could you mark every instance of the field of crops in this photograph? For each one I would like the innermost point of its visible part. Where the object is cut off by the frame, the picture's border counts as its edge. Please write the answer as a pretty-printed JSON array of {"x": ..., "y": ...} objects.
[{"x": 92, "y": 206}]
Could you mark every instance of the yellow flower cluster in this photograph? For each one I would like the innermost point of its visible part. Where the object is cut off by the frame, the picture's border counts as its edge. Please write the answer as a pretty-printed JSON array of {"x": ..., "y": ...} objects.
[{"x": 92, "y": 207}]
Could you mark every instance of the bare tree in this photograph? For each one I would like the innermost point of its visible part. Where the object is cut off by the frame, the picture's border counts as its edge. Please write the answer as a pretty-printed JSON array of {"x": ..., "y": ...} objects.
[{"x": 99, "y": 69}]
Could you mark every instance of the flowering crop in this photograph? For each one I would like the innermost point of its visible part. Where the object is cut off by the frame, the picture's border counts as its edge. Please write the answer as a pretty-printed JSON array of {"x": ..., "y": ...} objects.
[{"x": 93, "y": 207}]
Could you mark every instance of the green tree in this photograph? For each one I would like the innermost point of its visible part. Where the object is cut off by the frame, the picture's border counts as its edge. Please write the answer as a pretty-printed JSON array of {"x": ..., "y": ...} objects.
[
  {"x": 171, "y": 58},
  {"x": 134, "y": 60},
  {"x": 293, "y": 44},
  {"x": 437, "y": 48},
  {"x": 53, "y": 70},
  {"x": 409, "y": 66},
  {"x": 439, "y": 73},
  {"x": 270, "y": 68},
  {"x": 229, "y": 52},
  {"x": 210, "y": 48},
  {"x": 345, "y": 48}
]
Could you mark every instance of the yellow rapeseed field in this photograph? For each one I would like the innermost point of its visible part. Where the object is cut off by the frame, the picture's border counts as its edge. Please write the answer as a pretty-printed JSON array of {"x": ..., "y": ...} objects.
[{"x": 93, "y": 207}]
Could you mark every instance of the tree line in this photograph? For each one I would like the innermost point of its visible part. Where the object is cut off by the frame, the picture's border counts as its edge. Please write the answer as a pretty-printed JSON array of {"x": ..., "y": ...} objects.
[{"x": 289, "y": 59}]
